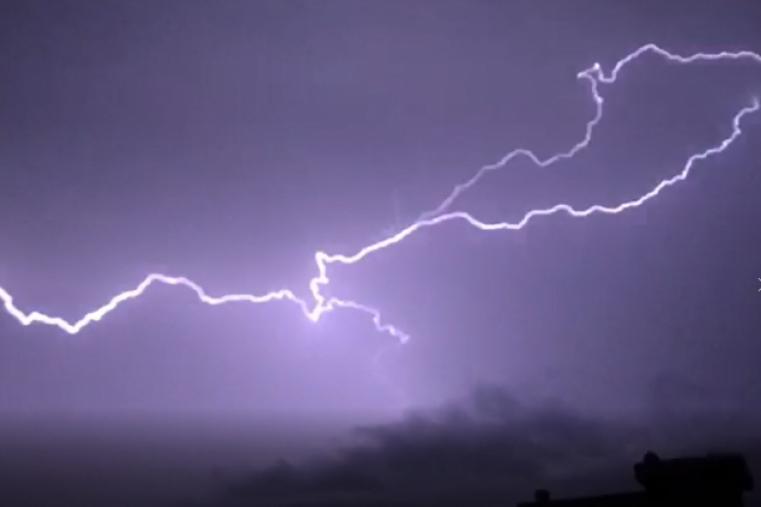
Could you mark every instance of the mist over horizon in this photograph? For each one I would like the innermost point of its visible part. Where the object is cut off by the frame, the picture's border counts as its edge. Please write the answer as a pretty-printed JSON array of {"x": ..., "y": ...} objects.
[{"x": 487, "y": 445}]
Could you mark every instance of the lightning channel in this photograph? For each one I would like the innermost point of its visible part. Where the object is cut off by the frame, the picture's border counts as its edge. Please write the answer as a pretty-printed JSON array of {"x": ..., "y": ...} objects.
[
  {"x": 595, "y": 76},
  {"x": 321, "y": 304}
]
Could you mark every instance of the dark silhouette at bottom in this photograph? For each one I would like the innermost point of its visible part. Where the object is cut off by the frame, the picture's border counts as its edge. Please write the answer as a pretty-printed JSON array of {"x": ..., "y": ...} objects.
[{"x": 715, "y": 480}]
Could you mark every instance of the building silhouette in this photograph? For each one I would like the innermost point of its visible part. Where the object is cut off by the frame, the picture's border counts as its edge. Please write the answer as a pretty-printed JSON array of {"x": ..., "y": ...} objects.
[{"x": 714, "y": 480}]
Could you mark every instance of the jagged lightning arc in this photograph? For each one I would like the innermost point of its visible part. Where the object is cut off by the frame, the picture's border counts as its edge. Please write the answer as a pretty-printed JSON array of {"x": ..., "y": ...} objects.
[{"x": 322, "y": 304}]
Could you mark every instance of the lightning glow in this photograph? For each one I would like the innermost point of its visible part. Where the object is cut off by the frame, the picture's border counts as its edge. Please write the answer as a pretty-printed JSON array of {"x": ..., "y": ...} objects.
[{"x": 322, "y": 304}]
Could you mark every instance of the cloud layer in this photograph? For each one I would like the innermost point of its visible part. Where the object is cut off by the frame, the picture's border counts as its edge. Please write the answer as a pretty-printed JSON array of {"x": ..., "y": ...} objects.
[{"x": 489, "y": 449}]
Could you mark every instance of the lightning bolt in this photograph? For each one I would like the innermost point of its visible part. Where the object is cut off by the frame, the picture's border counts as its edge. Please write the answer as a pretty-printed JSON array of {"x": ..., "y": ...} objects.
[
  {"x": 595, "y": 76},
  {"x": 321, "y": 304}
]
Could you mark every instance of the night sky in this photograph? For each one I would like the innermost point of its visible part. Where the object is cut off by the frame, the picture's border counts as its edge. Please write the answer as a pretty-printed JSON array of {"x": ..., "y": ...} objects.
[{"x": 229, "y": 141}]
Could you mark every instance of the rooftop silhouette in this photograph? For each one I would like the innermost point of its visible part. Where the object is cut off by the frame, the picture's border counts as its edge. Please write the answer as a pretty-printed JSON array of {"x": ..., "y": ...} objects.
[{"x": 714, "y": 480}]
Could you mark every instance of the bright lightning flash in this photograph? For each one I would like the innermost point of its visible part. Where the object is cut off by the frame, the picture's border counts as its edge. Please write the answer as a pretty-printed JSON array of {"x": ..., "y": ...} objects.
[{"x": 322, "y": 304}]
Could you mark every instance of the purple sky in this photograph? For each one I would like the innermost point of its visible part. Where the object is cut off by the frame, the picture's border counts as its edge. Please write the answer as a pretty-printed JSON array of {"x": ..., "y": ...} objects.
[{"x": 228, "y": 141}]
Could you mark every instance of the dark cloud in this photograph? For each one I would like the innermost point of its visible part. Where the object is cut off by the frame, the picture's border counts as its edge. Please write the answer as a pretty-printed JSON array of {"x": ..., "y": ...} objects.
[{"x": 490, "y": 449}]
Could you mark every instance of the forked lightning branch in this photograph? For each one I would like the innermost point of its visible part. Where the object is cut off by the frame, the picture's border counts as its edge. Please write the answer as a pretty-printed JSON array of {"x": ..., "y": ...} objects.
[{"x": 319, "y": 304}]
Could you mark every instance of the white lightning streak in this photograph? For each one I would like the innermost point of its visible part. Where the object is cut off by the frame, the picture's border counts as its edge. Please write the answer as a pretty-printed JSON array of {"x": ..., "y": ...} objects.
[{"x": 322, "y": 305}]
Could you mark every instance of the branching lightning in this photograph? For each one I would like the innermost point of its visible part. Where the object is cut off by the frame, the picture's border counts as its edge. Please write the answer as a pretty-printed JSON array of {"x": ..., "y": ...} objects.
[{"x": 322, "y": 304}]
